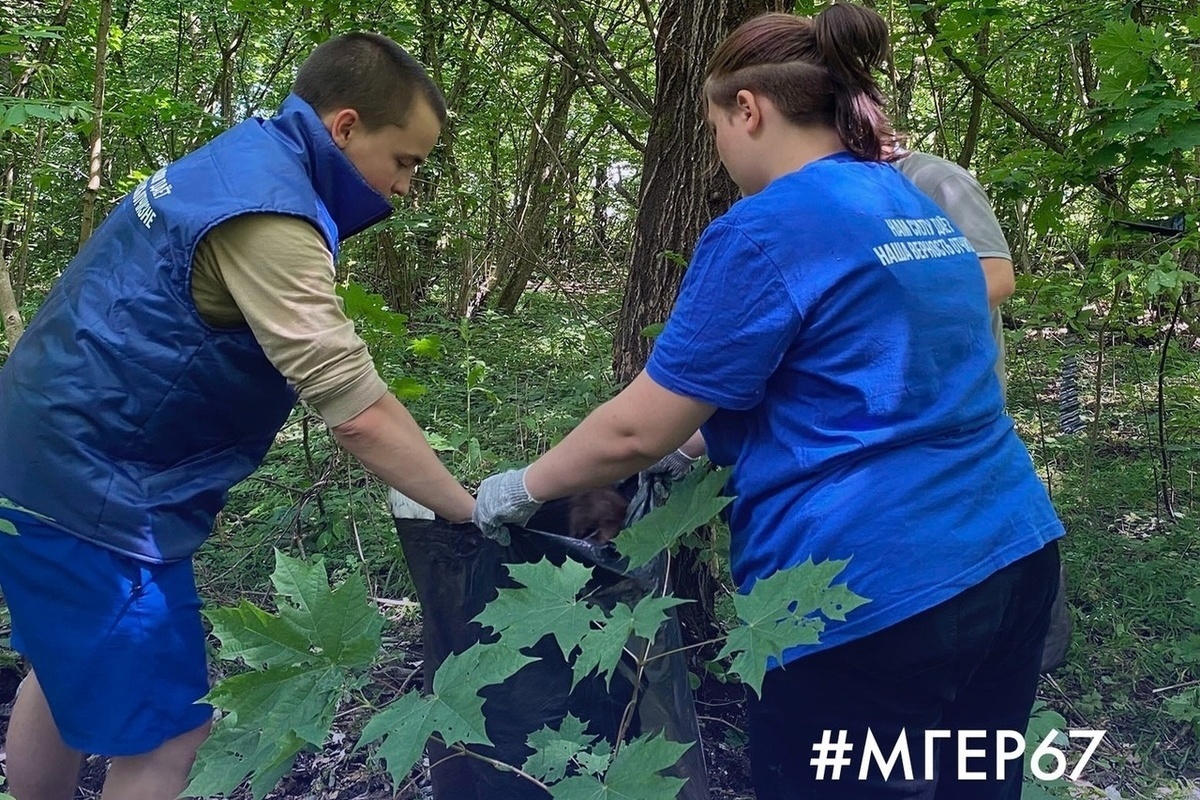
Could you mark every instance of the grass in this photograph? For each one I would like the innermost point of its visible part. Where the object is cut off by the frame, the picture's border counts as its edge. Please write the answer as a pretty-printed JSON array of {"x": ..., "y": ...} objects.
[{"x": 1133, "y": 586}]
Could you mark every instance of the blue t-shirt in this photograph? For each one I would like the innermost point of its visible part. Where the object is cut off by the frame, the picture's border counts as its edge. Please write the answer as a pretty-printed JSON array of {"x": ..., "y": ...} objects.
[{"x": 840, "y": 324}]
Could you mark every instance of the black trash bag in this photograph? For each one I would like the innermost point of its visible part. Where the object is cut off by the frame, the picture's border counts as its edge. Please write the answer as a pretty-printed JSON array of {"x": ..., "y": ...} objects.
[{"x": 457, "y": 571}]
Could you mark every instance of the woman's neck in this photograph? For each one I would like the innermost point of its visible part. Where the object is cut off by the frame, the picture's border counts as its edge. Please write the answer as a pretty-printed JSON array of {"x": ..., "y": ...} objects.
[{"x": 792, "y": 147}]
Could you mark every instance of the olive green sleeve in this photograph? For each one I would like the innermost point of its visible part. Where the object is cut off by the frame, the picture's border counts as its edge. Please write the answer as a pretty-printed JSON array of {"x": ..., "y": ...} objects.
[{"x": 275, "y": 274}]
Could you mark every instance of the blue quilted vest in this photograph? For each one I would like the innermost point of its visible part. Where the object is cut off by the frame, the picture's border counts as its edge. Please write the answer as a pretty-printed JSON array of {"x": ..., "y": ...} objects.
[{"x": 124, "y": 417}]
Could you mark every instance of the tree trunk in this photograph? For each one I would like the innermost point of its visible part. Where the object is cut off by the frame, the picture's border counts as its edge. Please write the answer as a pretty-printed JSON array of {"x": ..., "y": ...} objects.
[
  {"x": 13, "y": 326},
  {"x": 529, "y": 233},
  {"x": 975, "y": 117},
  {"x": 20, "y": 266},
  {"x": 683, "y": 185},
  {"x": 95, "y": 138},
  {"x": 43, "y": 52},
  {"x": 683, "y": 188}
]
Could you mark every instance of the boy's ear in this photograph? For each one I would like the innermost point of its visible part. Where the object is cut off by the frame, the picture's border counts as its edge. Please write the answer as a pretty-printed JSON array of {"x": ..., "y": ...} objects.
[{"x": 340, "y": 124}]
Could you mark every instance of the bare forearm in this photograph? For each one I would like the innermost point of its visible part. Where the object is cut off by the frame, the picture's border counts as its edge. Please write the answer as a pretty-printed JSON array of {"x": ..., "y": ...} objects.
[
  {"x": 1001, "y": 280},
  {"x": 390, "y": 444},
  {"x": 627, "y": 434}
]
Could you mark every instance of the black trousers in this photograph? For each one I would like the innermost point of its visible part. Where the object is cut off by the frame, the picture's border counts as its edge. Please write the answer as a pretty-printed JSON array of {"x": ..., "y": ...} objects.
[{"x": 969, "y": 664}]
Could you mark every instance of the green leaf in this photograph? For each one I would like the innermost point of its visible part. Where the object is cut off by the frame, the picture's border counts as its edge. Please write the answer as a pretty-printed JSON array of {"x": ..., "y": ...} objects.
[
  {"x": 694, "y": 501},
  {"x": 1048, "y": 212},
  {"x": 454, "y": 710},
  {"x": 14, "y": 117},
  {"x": 651, "y": 612},
  {"x": 595, "y": 761},
  {"x": 438, "y": 442},
  {"x": 652, "y": 330},
  {"x": 555, "y": 749},
  {"x": 671, "y": 257},
  {"x": 1119, "y": 51},
  {"x": 307, "y": 648},
  {"x": 778, "y": 612},
  {"x": 371, "y": 308},
  {"x": 407, "y": 388},
  {"x": 1185, "y": 707},
  {"x": 427, "y": 347},
  {"x": 280, "y": 700},
  {"x": 270, "y": 716},
  {"x": 646, "y": 755},
  {"x": 1185, "y": 138},
  {"x": 602, "y": 646},
  {"x": 343, "y": 626},
  {"x": 632, "y": 776},
  {"x": 550, "y": 596},
  {"x": 5, "y": 503},
  {"x": 258, "y": 638},
  {"x": 405, "y": 725}
]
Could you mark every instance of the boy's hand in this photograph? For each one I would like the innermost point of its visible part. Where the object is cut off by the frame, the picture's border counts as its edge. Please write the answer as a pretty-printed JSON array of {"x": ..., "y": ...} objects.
[{"x": 502, "y": 500}]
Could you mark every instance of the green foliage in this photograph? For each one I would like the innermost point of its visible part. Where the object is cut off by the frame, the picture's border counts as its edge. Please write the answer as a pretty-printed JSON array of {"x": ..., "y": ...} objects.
[
  {"x": 454, "y": 710},
  {"x": 1043, "y": 721},
  {"x": 555, "y": 750},
  {"x": 16, "y": 112},
  {"x": 1111, "y": 84},
  {"x": 302, "y": 661},
  {"x": 555, "y": 597},
  {"x": 1146, "y": 92},
  {"x": 1185, "y": 706},
  {"x": 632, "y": 774},
  {"x": 371, "y": 310},
  {"x": 778, "y": 613},
  {"x": 548, "y": 594},
  {"x": 694, "y": 501}
]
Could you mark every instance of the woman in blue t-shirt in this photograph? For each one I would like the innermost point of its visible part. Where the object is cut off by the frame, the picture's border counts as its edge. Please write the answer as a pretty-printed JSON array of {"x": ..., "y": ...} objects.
[{"x": 831, "y": 340}]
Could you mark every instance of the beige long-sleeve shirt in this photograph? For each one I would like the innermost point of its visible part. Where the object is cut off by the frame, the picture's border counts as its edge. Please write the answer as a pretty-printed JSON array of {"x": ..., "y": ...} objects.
[{"x": 275, "y": 274}]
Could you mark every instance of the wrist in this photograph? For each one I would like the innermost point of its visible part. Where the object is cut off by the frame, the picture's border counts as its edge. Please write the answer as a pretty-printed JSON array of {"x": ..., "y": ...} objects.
[
  {"x": 461, "y": 511},
  {"x": 529, "y": 495}
]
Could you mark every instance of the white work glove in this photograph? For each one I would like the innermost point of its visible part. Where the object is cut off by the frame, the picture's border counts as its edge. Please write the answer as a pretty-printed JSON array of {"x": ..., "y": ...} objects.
[
  {"x": 674, "y": 465},
  {"x": 502, "y": 499}
]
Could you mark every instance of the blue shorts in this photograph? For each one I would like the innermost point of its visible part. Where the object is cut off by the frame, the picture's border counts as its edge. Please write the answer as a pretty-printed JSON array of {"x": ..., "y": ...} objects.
[{"x": 117, "y": 644}]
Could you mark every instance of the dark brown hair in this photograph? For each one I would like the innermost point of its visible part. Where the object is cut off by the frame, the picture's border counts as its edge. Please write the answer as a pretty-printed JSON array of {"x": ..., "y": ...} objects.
[
  {"x": 369, "y": 73},
  {"x": 816, "y": 70}
]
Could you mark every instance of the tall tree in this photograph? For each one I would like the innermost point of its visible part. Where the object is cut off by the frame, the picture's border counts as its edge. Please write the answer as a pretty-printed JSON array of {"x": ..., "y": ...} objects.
[
  {"x": 41, "y": 53},
  {"x": 529, "y": 231},
  {"x": 683, "y": 186},
  {"x": 95, "y": 137},
  {"x": 683, "y": 189}
]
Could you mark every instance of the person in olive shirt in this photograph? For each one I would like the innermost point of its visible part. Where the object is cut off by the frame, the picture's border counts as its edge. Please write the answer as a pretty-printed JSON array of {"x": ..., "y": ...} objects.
[{"x": 156, "y": 375}]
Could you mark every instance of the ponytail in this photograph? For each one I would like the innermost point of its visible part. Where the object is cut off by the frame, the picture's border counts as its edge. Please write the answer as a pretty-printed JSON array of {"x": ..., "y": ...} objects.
[{"x": 853, "y": 42}]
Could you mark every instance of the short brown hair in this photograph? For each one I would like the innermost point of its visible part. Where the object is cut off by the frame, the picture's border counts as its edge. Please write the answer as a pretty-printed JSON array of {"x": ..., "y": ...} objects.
[
  {"x": 369, "y": 73},
  {"x": 817, "y": 70}
]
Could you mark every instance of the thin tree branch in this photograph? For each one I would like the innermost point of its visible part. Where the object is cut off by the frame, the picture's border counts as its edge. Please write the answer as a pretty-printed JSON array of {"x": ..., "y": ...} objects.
[{"x": 632, "y": 101}]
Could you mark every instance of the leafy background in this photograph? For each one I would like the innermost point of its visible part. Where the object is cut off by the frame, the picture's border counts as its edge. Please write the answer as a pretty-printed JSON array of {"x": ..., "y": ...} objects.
[{"x": 497, "y": 303}]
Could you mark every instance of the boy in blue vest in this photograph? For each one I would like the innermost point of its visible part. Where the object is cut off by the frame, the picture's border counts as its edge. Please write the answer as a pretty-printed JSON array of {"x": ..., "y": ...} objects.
[{"x": 155, "y": 377}]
